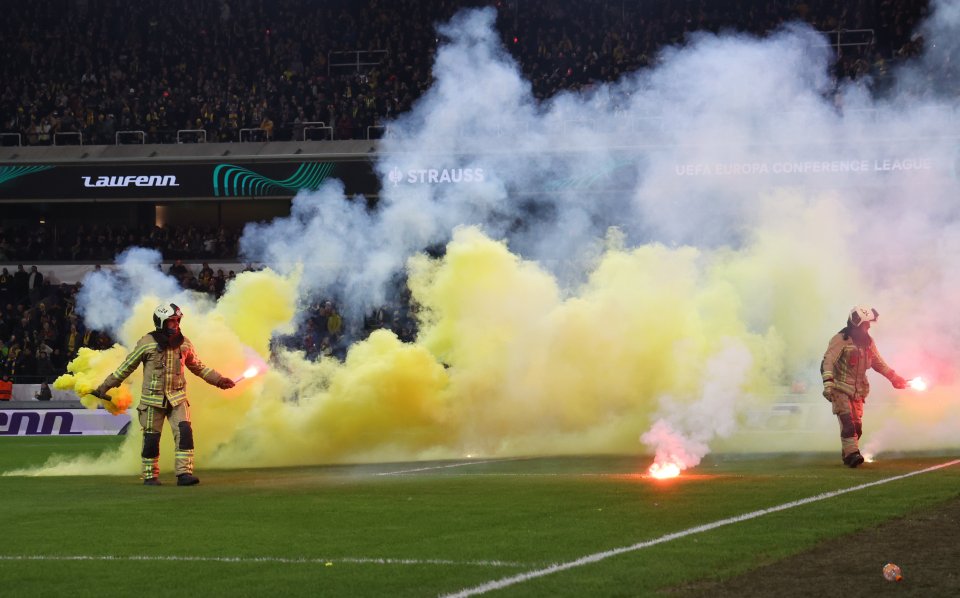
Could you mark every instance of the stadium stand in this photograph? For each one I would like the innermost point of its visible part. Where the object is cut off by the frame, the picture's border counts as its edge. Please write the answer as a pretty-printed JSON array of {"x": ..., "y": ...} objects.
[
  {"x": 108, "y": 71},
  {"x": 111, "y": 72}
]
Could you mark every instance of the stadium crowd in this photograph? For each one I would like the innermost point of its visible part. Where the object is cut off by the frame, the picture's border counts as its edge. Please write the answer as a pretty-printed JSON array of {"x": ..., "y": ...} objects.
[
  {"x": 295, "y": 69},
  {"x": 41, "y": 331},
  {"x": 80, "y": 243}
]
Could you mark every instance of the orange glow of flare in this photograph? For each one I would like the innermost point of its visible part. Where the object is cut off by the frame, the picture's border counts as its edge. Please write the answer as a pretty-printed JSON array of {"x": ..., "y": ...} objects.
[
  {"x": 917, "y": 383},
  {"x": 248, "y": 373},
  {"x": 663, "y": 471}
]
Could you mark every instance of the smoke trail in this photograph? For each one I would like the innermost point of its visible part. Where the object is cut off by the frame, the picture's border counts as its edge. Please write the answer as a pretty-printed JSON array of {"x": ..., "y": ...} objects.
[
  {"x": 677, "y": 246},
  {"x": 711, "y": 415}
]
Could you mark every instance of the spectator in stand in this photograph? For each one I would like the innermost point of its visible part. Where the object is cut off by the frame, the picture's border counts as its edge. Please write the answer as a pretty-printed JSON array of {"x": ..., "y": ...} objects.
[
  {"x": 178, "y": 270},
  {"x": 6, "y": 386},
  {"x": 267, "y": 125},
  {"x": 334, "y": 321},
  {"x": 326, "y": 347},
  {"x": 206, "y": 275},
  {"x": 91, "y": 339},
  {"x": 21, "y": 284},
  {"x": 26, "y": 360},
  {"x": 4, "y": 247},
  {"x": 44, "y": 393},
  {"x": 72, "y": 341},
  {"x": 309, "y": 341},
  {"x": 44, "y": 361},
  {"x": 6, "y": 286},
  {"x": 13, "y": 352},
  {"x": 219, "y": 283},
  {"x": 34, "y": 283}
]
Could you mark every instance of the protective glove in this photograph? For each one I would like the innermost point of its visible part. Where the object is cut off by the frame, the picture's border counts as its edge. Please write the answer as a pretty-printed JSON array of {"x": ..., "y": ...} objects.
[
  {"x": 828, "y": 390},
  {"x": 225, "y": 383},
  {"x": 898, "y": 381}
]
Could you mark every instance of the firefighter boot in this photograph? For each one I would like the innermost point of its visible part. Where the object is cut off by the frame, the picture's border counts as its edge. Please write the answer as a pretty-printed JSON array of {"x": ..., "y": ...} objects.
[
  {"x": 853, "y": 459},
  {"x": 151, "y": 482},
  {"x": 187, "y": 479}
]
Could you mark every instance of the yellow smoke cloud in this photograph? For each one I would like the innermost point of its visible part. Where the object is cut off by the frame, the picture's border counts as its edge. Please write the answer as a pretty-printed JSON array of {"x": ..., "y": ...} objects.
[
  {"x": 532, "y": 371},
  {"x": 507, "y": 363},
  {"x": 385, "y": 400},
  {"x": 90, "y": 368}
]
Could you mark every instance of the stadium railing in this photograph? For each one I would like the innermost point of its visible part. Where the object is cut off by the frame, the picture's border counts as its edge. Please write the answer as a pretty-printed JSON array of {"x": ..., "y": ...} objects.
[
  {"x": 200, "y": 135},
  {"x": 376, "y": 131},
  {"x": 262, "y": 135},
  {"x": 355, "y": 59},
  {"x": 854, "y": 38},
  {"x": 67, "y": 135},
  {"x": 316, "y": 126},
  {"x": 142, "y": 134}
]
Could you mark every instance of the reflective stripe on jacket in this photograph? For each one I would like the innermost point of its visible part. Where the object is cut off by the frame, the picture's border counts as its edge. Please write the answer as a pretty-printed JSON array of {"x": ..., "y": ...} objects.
[
  {"x": 163, "y": 373},
  {"x": 845, "y": 364}
]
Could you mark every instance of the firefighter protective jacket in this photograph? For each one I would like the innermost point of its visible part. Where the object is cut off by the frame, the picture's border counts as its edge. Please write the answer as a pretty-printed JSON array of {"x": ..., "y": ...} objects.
[
  {"x": 845, "y": 365},
  {"x": 163, "y": 374}
]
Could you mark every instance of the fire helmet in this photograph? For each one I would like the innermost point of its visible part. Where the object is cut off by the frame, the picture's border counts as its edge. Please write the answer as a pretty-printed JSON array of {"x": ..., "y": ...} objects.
[
  {"x": 164, "y": 313},
  {"x": 861, "y": 314}
]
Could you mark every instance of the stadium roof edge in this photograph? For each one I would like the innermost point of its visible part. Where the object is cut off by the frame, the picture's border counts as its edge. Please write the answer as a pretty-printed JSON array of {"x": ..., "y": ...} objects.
[{"x": 187, "y": 152}]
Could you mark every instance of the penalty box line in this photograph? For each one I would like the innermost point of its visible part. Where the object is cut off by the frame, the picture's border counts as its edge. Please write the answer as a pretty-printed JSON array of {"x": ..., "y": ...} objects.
[{"x": 498, "y": 584}]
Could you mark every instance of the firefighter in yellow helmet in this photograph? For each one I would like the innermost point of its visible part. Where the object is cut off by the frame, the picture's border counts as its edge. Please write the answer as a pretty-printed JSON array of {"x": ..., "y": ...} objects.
[
  {"x": 164, "y": 353},
  {"x": 850, "y": 353}
]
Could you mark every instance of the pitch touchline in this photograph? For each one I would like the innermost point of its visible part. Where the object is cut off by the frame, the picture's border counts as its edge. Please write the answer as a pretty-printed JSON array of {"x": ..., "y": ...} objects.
[
  {"x": 599, "y": 556},
  {"x": 266, "y": 559}
]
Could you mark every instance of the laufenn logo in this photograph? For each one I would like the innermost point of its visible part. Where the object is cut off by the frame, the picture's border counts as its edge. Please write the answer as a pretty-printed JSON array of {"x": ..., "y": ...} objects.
[{"x": 139, "y": 180}]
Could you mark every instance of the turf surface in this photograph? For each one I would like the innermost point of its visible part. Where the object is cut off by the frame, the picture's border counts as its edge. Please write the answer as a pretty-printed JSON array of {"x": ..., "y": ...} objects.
[{"x": 445, "y": 527}]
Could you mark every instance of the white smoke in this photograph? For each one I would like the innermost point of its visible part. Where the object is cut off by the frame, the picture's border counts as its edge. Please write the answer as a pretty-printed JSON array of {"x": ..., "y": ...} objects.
[
  {"x": 672, "y": 447},
  {"x": 684, "y": 429},
  {"x": 730, "y": 140},
  {"x": 107, "y": 296},
  {"x": 720, "y": 102}
]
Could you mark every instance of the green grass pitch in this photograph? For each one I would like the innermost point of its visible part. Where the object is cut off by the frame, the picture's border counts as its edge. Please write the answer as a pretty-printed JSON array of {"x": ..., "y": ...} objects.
[{"x": 438, "y": 529}]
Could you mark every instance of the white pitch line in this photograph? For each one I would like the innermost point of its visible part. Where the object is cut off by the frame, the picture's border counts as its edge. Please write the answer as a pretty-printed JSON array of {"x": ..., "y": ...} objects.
[
  {"x": 264, "y": 559},
  {"x": 498, "y": 584},
  {"x": 442, "y": 466}
]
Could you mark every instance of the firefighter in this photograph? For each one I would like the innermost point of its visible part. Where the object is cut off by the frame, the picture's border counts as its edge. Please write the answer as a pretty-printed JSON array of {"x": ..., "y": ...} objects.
[
  {"x": 844, "y": 369},
  {"x": 164, "y": 353}
]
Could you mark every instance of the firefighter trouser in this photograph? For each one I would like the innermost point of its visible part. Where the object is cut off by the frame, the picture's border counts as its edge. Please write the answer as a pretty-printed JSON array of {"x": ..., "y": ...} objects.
[
  {"x": 849, "y": 412},
  {"x": 151, "y": 421}
]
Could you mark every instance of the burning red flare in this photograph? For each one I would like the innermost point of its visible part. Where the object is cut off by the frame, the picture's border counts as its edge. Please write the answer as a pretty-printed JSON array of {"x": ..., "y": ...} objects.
[
  {"x": 663, "y": 471},
  {"x": 917, "y": 383},
  {"x": 250, "y": 372}
]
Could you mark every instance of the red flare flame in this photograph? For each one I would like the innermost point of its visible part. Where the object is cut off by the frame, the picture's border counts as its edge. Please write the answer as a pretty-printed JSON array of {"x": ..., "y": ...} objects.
[
  {"x": 663, "y": 471},
  {"x": 250, "y": 372}
]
